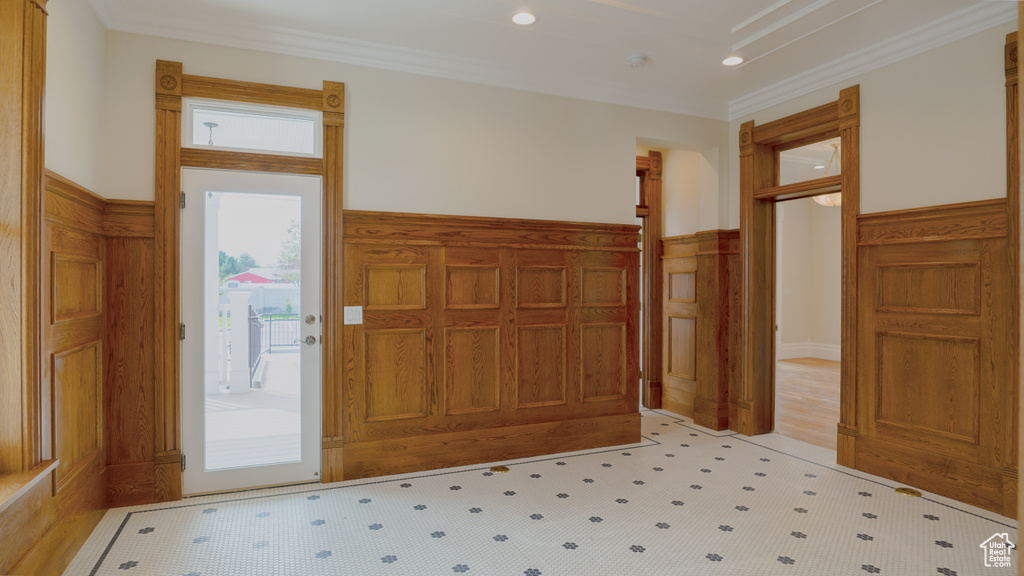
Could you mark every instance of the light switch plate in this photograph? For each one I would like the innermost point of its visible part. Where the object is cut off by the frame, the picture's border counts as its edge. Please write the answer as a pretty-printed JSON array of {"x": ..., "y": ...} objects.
[{"x": 353, "y": 315}]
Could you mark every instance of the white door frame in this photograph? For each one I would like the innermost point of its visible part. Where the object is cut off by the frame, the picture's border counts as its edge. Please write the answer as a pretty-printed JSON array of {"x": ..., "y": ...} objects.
[{"x": 196, "y": 183}]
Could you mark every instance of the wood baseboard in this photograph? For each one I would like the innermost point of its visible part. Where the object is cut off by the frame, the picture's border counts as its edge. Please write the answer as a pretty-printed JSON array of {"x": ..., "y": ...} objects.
[
  {"x": 381, "y": 457},
  {"x": 131, "y": 484},
  {"x": 710, "y": 414},
  {"x": 676, "y": 407}
]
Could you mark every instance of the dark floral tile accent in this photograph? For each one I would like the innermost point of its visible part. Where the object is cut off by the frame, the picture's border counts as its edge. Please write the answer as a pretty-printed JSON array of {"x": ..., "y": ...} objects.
[
  {"x": 870, "y": 569},
  {"x": 455, "y": 488},
  {"x": 655, "y": 433},
  {"x": 684, "y": 445},
  {"x": 869, "y": 516},
  {"x": 596, "y": 519},
  {"x": 714, "y": 557},
  {"x": 318, "y": 523},
  {"x": 725, "y": 528},
  {"x": 209, "y": 511},
  {"x": 800, "y": 510},
  {"x": 662, "y": 525},
  {"x": 726, "y": 446},
  {"x": 460, "y": 568},
  {"x": 865, "y": 537},
  {"x": 621, "y": 501},
  {"x": 766, "y": 459},
  {"x": 313, "y": 497},
  {"x": 798, "y": 535},
  {"x": 536, "y": 516},
  {"x": 638, "y": 482},
  {"x": 475, "y": 510},
  {"x": 743, "y": 508},
  {"x": 375, "y": 526},
  {"x": 510, "y": 492},
  {"x": 657, "y": 468},
  {"x": 606, "y": 465},
  {"x": 147, "y": 530},
  {"x": 420, "y": 507},
  {"x": 760, "y": 474},
  {"x": 500, "y": 538},
  {"x": 696, "y": 486},
  {"x": 664, "y": 424},
  {"x": 263, "y": 514},
  {"x": 864, "y": 494},
  {"x": 488, "y": 473},
  {"x": 637, "y": 548},
  {"x": 786, "y": 560},
  {"x": 705, "y": 470},
  {"x": 261, "y": 544},
  {"x": 943, "y": 544},
  {"x": 193, "y": 574},
  {"x": 811, "y": 475},
  {"x": 946, "y": 572},
  {"x": 128, "y": 565},
  {"x": 532, "y": 572},
  {"x": 534, "y": 475},
  {"x": 719, "y": 458},
  {"x": 588, "y": 480},
  {"x": 748, "y": 488},
  {"x": 389, "y": 559},
  {"x": 670, "y": 455},
  {"x": 693, "y": 434},
  {"x": 323, "y": 554},
  {"x": 437, "y": 534},
  {"x": 405, "y": 485},
  {"x": 201, "y": 540},
  {"x": 627, "y": 453},
  {"x": 562, "y": 495},
  {"x": 559, "y": 463},
  {"x": 570, "y": 546},
  {"x": 810, "y": 493},
  {"x": 677, "y": 502},
  {"x": 931, "y": 517}
]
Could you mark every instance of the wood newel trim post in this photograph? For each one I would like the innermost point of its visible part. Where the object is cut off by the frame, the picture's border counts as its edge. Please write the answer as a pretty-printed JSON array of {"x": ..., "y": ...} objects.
[
  {"x": 23, "y": 411},
  {"x": 1010, "y": 472},
  {"x": 849, "y": 128},
  {"x": 332, "y": 439},
  {"x": 167, "y": 349},
  {"x": 652, "y": 306}
]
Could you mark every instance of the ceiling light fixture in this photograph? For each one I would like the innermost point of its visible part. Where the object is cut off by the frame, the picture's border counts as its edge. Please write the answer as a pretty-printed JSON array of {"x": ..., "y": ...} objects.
[
  {"x": 836, "y": 198},
  {"x": 637, "y": 61},
  {"x": 732, "y": 61},
  {"x": 524, "y": 18}
]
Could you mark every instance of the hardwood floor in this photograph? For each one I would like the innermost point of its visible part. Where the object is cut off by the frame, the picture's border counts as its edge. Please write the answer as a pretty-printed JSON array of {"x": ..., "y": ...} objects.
[{"x": 807, "y": 400}]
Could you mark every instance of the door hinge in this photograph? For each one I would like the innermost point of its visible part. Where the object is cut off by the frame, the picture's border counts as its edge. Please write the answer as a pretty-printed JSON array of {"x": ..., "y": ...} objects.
[
  {"x": 182, "y": 462},
  {"x": 181, "y": 200},
  {"x": 181, "y": 331}
]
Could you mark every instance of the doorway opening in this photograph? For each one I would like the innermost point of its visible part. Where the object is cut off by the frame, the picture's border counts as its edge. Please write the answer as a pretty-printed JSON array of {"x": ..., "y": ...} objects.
[
  {"x": 648, "y": 216},
  {"x": 251, "y": 365}
]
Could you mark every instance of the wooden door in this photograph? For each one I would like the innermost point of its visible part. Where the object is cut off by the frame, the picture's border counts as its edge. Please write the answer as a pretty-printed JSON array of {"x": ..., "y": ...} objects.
[{"x": 679, "y": 332}]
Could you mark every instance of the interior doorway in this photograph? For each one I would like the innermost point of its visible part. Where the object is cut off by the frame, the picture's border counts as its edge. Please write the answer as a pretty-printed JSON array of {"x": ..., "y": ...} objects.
[
  {"x": 648, "y": 215},
  {"x": 251, "y": 278}
]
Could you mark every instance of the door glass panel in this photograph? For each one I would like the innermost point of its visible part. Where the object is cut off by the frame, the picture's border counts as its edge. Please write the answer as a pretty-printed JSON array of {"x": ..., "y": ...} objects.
[
  {"x": 252, "y": 289},
  {"x": 810, "y": 162}
]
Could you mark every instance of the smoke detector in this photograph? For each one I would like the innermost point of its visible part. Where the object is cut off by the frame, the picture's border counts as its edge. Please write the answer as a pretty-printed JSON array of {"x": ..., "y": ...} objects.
[{"x": 637, "y": 61}]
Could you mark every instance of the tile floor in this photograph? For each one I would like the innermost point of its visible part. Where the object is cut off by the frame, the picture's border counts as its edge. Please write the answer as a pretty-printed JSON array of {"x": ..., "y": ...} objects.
[{"x": 683, "y": 501}]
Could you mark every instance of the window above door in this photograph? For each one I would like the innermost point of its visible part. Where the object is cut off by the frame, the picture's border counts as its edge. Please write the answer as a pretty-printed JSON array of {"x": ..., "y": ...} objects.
[{"x": 222, "y": 125}]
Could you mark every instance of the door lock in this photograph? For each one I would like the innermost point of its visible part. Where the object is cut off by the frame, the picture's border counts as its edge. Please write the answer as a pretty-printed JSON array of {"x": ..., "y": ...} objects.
[
  {"x": 310, "y": 319},
  {"x": 310, "y": 340}
]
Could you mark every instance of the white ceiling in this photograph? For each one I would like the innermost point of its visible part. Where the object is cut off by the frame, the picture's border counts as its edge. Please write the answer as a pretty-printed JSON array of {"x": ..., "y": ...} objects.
[{"x": 578, "y": 48}]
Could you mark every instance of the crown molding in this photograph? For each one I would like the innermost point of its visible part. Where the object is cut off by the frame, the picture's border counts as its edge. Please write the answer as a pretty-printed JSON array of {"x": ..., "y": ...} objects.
[
  {"x": 953, "y": 27},
  {"x": 119, "y": 16}
]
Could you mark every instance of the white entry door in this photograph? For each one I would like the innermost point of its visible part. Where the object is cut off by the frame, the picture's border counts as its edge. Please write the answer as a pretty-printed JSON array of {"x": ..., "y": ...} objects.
[{"x": 250, "y": 286}]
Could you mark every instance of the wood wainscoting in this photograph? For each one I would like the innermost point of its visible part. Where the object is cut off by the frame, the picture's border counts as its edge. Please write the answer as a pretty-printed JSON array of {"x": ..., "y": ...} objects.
[
  {"x": 935, "y": 352},
  {"x": 701, "y": 288},
  {"x": 97, "y": 262},
  {"x": 486, "y": 339}
]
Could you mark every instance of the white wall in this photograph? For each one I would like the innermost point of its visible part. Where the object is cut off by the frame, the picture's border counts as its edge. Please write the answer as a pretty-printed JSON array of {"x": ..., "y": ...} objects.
[
  {"x": 933, "y": 127},
  {"x": 75, "y": 53},
  {"x": 808, "y": 280},
  {"x": 419, "y": 144},
  {"x": 691, "y": 190}
]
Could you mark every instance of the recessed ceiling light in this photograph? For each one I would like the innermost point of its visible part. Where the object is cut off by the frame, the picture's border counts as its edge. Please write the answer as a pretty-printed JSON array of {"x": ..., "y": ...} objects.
[
  {"x": 819, "y": 167},
  {"x": 732, "y": 61},
  {"x": 524, "y": 18}
]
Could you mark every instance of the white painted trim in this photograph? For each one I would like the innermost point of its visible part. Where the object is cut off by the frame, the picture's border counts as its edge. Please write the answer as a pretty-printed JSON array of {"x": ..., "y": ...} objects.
[
  {"x": 759, "y": 15},
  {"x": 782, "y": 24},
  {"x": 966, "y": 22},
  {"x": 808, "y": 350}
]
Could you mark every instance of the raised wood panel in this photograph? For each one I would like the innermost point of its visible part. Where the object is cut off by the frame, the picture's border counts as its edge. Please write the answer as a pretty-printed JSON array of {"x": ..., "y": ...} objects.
[
  {"x": 682, "y": 287},
  {"x": 77, "y": 405},
  {"x": 472, "y": 366},
  {"x": 396, "y": 375},
  {"x": 604, "y": 362},
  {"x": 604, "y": 287},
  {"x": 76, "y": 287},
  {"x": 682, "y": 346},
  {"x": 251, "y": 92},
  {"x": 933, "y": 288},
  {"x": 968, "y": 220},
  {"x": 471, "y": 287},
  {"x": 541, "y": 287},
  {"x": 930, "y": 384},
  {"x": 540, "y": 355},
  {"x": 395, "y": 287}
]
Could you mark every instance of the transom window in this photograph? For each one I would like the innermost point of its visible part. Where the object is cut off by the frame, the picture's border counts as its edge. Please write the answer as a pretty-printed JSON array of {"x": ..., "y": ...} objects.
[{"x": 244, "y": 127}]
